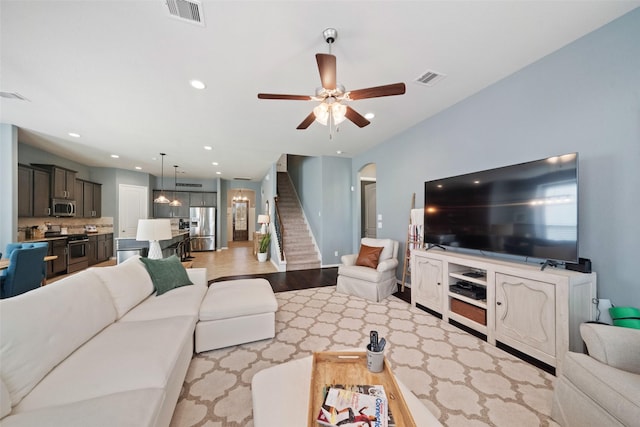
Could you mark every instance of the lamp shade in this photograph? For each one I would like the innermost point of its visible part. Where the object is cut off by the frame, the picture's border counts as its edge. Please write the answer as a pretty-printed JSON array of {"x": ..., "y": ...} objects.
[
  {"x": 154, "y": 230},
  {"x": 263, "y": 219}
]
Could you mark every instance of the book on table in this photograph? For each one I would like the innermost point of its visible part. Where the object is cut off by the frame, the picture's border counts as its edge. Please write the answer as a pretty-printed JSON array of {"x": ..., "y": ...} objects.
[{"x": 355, "y": 405}]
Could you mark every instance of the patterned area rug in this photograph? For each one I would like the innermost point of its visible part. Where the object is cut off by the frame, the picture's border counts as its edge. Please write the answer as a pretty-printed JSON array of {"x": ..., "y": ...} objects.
[{"x": 460, "y": 378}]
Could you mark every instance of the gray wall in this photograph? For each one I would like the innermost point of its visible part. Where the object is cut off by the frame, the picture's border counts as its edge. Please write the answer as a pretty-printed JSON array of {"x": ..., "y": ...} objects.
[
  {"x": 324, "y": 187},
  {"x": 9, "y": 187},
  {"x": 585, "y": 98}
]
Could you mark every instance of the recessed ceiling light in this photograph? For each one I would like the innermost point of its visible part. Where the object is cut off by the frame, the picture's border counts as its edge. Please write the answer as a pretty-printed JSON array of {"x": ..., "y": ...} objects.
[
  {"x": 138, "y": 168},
  {"x": 154, "y": 158},
  {"x": 218, "y": 173},
  {"x": 115, "y": 156},
  {"x": 339, "y": 152},
  {"x": 369, "y": 116},
  {"x": 197, "y": 84},
  {"x": 75, "y": 135},
  {"x": 208, "y": 147},
  {"x": 214, "y": 163}
]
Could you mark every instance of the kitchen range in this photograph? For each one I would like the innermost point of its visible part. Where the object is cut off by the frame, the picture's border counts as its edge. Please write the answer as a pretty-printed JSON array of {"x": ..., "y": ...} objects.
[{"x": 77, "y": 248}]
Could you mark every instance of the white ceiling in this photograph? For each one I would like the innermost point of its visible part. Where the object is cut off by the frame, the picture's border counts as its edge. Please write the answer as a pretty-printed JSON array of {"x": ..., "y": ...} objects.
[{"x": 118, "y": 72}]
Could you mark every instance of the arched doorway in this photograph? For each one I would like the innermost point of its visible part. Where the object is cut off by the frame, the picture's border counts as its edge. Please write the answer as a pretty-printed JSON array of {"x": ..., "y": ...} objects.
[{"x": 368, "y": 200}]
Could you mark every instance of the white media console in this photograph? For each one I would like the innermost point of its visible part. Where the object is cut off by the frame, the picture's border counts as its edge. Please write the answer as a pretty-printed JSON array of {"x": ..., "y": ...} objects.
[{"x": 537, "y": 312}]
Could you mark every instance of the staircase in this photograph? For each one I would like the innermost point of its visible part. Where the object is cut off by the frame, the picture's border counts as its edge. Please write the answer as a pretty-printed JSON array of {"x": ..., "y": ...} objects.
[{"x": 300, "y": 251}]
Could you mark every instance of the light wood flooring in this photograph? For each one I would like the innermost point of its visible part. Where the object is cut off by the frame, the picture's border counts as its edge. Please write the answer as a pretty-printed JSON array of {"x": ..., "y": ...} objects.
[{"x": 237, "y": 260}]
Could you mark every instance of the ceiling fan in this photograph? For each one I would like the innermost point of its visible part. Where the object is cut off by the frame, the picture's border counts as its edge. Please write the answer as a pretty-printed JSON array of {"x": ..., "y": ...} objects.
[{"x": 332, "y": 109}]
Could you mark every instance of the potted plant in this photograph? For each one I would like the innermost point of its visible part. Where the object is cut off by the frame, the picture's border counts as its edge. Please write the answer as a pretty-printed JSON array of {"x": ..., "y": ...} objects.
[{"x": 264, "y": 247}]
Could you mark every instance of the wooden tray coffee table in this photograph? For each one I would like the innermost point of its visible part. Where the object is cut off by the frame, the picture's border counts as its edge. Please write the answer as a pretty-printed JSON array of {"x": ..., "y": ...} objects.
[{"x": 350, "y": 368}]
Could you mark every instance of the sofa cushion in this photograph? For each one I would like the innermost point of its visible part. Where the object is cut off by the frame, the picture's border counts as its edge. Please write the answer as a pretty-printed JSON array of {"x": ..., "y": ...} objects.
[
  {"x": 387, "y": 244},
  {"x": 369, "y": 256},
  {"x": 615, "y": 390},
  {"x": 166, "y": 273},
  {"x": 128, "y": 283},
  {"x": 5, "y": 399},
  {"x": 41, "y": 328},
  {"x": 125, "y": 356},
  {"x": 184, "y": 301},
  {"x": 359, "y": 272},
  {"x": 136, "y": 408},
  {"x": 235, "y": 298}
]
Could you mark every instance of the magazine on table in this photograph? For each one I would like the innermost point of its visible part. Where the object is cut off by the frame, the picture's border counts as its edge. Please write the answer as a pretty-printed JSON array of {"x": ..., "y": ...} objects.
[{"x": 355, "y": 406}]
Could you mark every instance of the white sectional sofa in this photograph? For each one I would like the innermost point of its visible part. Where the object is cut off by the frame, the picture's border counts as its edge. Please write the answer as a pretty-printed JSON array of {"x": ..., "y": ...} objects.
[{"x": 97, "y": 348}]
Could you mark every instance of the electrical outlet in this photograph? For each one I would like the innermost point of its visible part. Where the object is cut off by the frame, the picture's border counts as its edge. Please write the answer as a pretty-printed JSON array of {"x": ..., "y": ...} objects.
[{"x": 335, "y": 253}]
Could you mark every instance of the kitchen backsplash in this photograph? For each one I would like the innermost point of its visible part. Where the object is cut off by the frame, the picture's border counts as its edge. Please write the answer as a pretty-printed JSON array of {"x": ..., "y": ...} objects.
[{"x": 73, "y": 225}]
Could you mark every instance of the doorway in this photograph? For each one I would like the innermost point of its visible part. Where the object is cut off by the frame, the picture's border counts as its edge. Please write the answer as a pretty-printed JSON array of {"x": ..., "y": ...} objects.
[
  {"x": 240, "y": 222},
  {"x": 133, "y": 204},
  {"x": 368, "y": 201}
]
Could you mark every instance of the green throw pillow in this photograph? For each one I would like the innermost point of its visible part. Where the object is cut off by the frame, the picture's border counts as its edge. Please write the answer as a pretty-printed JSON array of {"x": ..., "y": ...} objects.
[{"x": 166, "y": 274}]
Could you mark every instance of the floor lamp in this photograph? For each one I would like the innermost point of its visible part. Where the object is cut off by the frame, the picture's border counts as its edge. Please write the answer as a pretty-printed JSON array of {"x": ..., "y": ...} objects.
[{"x": 154, "y": 230}]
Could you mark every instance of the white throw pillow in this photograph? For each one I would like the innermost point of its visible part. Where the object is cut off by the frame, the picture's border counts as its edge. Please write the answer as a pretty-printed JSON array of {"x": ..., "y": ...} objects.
[{"x": 128, "y": 283}]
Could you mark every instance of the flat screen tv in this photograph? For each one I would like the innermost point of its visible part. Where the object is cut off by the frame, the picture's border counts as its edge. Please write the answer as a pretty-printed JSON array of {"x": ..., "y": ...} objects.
[{"x": 529, "y": 209}]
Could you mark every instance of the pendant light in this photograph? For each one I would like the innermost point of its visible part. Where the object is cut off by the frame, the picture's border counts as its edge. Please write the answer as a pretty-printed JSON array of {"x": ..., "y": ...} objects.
[
  {"x": 162, "y": 198},
  {"x": 175, "y": 201}
]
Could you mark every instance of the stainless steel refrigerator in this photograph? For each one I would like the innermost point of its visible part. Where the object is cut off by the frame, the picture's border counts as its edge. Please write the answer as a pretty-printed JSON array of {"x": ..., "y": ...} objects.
[{"x": 202, "y": 229}]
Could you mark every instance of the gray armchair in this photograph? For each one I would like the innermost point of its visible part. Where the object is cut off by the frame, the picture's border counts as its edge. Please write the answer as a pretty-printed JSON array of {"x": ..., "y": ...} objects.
[
  {"x": 374, "y": 284},
  {"x": 602, "y": 388}
]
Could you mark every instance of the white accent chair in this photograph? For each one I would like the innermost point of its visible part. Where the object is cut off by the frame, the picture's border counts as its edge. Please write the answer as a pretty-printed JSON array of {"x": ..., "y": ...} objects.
[
  {"x": 602, "y": 388},
  {"x": 374, "y": 284}
]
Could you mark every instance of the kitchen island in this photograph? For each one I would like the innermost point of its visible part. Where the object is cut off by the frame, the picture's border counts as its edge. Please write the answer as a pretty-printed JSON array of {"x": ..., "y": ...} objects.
[{"x": 127, "y": 247}]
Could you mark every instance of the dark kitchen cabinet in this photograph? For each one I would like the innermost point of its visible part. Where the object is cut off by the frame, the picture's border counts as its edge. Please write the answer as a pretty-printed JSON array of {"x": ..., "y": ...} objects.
[
  {"x": 104, "y": 247},
  {"x": 25, "y": 191},
  {"x": 33, "y": 192},
  {"x": 41, "y": 191},
  {"x": 79, "y": 191},
  {"x": 63, "y": 181},
  {"x": 202, "y": 199},
  {"x": 88, "y": 199},
  {"x": 59, "y": 265},
  {"x": 92, "y": 250}
]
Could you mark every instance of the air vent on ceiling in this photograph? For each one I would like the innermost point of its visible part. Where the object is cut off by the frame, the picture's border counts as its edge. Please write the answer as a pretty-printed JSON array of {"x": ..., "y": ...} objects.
[
  {"x": 13, "y": 95},
  {"x": 430, "y": 78},
  {"x": 186, "y": 10},
  {"x": 187, "y": 184},
  {"x": 242, "y": 179}
]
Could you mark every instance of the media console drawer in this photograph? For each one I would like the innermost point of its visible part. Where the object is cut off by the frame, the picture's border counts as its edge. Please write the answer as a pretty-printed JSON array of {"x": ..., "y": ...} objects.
[{"x": 477, "y": 314}]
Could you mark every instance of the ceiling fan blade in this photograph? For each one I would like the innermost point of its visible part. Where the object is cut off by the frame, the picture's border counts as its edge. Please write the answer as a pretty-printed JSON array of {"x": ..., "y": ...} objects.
[
  {"x": 288, "y": 97},
  {"x": 356, "y": 117},
  {"x": 327, "y": 68},
  {"x": 307, "y": 121},
  {"x": 378, "y": 91}
]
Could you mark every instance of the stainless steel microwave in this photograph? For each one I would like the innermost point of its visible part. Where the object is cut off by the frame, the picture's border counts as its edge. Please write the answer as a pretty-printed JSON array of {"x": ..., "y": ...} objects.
[{"x": 62, "y": 207}]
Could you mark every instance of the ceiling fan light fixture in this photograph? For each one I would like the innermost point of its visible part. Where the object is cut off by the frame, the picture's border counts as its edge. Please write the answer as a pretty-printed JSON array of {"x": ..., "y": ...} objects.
[{"x": 335, "y": 111}]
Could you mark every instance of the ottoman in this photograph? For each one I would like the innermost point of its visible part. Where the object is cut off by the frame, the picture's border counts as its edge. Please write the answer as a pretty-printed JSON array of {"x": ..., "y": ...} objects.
[
  {"x": 236, "y": 312},
  {"x": 280, "y": 396}
]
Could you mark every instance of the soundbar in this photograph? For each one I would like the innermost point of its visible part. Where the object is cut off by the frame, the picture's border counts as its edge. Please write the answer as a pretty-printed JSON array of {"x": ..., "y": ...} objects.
[{"x": 583, "y": 265}]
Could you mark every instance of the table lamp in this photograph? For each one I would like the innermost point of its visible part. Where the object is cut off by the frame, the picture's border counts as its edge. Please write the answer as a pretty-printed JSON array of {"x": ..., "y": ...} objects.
[
  {"x": 264, "y": 220},
  {"x": 154, "y": 230}
]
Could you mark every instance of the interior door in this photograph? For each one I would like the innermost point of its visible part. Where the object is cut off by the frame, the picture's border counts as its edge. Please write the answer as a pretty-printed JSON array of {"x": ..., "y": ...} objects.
[
  {"x": 370, "y": 210},
  {"x": 133, "y": 204},
  {"x": 240, "y": 221}
]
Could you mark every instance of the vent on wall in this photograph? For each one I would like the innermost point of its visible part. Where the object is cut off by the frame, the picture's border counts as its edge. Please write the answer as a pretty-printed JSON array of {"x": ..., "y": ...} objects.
[
  {"x": 430, "y": 78},
  {"x": 186, "y": 10}
]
